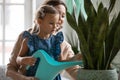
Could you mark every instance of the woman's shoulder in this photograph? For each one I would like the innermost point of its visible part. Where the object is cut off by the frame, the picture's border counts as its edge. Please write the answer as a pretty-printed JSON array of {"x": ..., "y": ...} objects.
[{"x": 65, "y": 43}]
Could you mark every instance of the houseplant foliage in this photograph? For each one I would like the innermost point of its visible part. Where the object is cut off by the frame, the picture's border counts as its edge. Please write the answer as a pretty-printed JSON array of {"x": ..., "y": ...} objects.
[{"x": 99, "y": 37}]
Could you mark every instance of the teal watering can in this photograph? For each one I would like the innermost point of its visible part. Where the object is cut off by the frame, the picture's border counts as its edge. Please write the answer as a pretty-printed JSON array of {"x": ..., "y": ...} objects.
[{"x": 49, "y": 68}]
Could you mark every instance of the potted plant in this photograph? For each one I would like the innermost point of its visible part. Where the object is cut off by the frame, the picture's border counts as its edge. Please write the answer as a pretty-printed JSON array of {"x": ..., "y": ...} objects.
[{"x": 99, "y": 39}]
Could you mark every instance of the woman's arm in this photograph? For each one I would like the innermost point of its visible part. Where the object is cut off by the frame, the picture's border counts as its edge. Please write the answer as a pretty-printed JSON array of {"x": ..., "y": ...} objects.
[
  {"x": 67, "y": 54},
  {"x": 22, "y": 59},
  {"x": 18, "y": 76},
  {"x": 12, "y": 66}
]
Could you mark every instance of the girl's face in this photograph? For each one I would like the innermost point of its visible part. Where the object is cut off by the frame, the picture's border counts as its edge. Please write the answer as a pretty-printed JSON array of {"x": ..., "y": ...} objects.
[
  {"x": 49, "y": 24},
  {"x": 62, "y": 13}
]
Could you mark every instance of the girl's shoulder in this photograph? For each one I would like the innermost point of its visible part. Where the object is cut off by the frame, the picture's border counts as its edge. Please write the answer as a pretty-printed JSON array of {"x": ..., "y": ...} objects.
[
  {"x": 59, "y": 37},
  {"x": 26, "y": 34}
]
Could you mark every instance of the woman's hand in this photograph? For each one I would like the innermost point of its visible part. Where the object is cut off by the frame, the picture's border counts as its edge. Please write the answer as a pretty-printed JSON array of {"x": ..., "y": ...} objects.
[
  {"x": 26, "y": 60},
  {"x": 18, "y": 76},
  {"x": 29, "y": 78},
  {"x": 77, "y": 57}
]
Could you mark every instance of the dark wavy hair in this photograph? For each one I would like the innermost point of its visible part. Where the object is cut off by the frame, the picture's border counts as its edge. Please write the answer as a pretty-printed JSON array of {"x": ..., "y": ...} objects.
[{"x": 55, "y": 3}]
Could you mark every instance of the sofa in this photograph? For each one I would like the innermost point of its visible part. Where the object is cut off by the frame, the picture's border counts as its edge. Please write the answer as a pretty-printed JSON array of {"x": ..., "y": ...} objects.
[{"x": 2, "y": 73}]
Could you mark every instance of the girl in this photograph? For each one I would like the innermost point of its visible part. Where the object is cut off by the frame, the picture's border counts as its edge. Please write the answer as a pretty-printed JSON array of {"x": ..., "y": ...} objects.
[{"x": 46, "y": 20}]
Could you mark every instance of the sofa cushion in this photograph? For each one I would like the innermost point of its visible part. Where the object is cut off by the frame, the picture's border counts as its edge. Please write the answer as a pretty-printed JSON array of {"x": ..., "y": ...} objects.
[{"x": 2, "y": 73}]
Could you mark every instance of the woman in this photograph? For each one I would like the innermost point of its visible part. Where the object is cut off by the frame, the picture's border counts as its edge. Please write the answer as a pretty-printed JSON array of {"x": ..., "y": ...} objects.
[{"x": 14, "y": 71}]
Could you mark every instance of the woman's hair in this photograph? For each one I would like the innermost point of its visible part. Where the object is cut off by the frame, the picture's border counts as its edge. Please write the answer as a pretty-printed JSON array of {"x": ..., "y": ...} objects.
[
  {"x": 55, "y": 3},
  {"x": 50, "y": 3}
]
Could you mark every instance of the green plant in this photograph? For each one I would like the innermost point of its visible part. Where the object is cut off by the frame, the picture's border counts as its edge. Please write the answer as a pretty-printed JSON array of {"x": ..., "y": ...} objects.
[{"x": 99, "y": 37}]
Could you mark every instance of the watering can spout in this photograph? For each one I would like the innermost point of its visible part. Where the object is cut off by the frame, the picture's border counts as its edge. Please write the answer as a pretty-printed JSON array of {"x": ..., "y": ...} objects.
[{"x": 49, "y": 68}]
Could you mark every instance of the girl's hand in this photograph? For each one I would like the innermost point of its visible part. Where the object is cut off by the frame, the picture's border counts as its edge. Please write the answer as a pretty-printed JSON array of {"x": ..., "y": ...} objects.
[{"x": 26, "y": 60}]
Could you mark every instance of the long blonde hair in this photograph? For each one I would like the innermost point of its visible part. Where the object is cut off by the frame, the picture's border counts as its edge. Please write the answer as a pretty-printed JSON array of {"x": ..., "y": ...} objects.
[{"x": 41, "y": 13}]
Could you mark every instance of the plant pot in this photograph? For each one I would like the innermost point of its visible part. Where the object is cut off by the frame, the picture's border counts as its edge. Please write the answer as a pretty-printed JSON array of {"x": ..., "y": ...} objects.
[{"x": 97, "y": 74}]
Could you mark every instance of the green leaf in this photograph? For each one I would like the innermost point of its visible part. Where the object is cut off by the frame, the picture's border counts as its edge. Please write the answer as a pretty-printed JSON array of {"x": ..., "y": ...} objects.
[
  {"x": 71, "y": 20},
  {"x": 82, "y": 24},
  {"x": 110, "y": 36},
  {"x": 112, "y": 3},
  {"x": 115, "y": 36}
]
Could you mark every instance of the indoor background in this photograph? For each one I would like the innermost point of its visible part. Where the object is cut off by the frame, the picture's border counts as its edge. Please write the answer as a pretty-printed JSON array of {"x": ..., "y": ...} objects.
[{"x": 17, "y": 15}]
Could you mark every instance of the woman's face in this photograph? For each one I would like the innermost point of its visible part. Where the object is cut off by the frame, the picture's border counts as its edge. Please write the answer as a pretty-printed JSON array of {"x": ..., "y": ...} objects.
[{"x": 62, "y": 13}]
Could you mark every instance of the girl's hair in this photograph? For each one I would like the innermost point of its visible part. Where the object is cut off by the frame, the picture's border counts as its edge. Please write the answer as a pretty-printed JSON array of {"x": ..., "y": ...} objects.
[
  {"x": 41, "y": 13},
  {"x": 43, "y": 10},
  {"x": 50, "y": 3}
]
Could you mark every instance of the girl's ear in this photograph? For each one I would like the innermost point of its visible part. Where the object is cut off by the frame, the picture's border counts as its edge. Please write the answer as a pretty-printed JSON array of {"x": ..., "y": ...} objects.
[{"x": 38, "y": 21}]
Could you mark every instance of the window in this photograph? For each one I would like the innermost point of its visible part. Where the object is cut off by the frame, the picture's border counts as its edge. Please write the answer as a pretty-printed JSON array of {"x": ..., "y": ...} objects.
[{"x": 13, "y": 16}]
